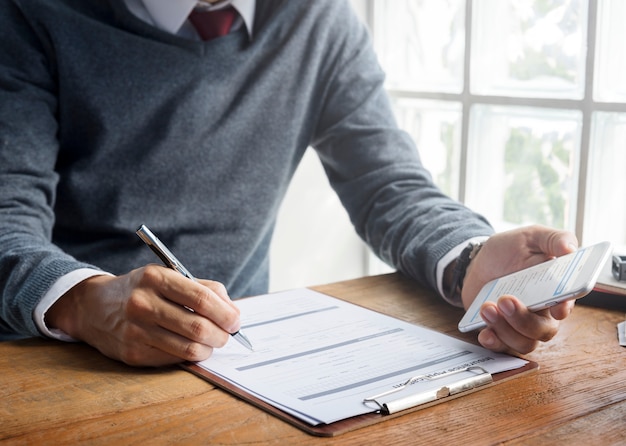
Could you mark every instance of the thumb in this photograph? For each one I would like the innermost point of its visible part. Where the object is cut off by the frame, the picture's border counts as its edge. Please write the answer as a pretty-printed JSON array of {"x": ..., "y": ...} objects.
[{"x": 561, "y": 243}]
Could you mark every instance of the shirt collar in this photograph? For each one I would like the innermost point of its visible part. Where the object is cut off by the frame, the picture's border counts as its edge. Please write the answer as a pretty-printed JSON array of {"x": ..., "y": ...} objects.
[{"x": 170, "y": 15}]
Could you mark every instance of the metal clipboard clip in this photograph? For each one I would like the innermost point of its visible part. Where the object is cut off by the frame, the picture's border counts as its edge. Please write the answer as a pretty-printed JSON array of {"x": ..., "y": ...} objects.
[{"x": 387, "y": 406}]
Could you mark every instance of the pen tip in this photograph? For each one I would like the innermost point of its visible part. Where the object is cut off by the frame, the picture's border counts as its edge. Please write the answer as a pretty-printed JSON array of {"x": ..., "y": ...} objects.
[{"x": 243, "y": 340}]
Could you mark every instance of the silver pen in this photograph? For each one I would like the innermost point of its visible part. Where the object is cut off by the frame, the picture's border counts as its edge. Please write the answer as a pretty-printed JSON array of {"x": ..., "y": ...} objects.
[{"x": 172, "y": 262}]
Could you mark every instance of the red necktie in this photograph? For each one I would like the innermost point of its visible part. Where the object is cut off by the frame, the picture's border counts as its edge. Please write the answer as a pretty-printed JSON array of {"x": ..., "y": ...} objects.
[{"x": 212, "y": 24}]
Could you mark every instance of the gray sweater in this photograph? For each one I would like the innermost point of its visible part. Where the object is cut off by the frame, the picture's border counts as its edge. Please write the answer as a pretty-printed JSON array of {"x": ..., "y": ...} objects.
[{"x": 107, "y": 123}]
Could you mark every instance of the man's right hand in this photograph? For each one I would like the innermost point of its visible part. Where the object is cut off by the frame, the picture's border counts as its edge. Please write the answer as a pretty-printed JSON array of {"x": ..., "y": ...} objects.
[{"x": 142, "y": 318}]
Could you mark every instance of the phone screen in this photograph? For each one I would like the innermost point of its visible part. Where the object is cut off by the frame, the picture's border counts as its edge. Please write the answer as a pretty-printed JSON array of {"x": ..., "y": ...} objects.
[{"x": 567, "y": 277}]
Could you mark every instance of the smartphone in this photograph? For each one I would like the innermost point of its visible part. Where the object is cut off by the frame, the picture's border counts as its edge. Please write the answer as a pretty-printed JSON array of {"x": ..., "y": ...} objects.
[{"x": 571, "y": 276}]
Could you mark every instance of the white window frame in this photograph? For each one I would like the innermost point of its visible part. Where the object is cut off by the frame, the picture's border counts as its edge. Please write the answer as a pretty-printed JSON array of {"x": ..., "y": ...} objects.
[{"x": 587, "y": 105}]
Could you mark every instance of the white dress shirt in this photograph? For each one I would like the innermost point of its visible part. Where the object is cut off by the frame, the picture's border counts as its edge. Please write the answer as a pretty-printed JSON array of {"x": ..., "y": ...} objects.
[{"x": 171, "y": 15}]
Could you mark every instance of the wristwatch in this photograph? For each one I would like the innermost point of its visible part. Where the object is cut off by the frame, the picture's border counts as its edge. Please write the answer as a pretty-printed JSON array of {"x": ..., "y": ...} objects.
[{"x": 462, "y": 262}]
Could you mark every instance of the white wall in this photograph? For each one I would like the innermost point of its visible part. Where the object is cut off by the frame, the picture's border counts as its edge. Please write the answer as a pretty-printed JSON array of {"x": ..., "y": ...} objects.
[{"x": 314, "y": 242}]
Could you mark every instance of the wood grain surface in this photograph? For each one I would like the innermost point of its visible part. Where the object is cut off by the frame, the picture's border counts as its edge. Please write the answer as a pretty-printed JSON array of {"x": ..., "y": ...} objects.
[{"x": 63, "y": 393}]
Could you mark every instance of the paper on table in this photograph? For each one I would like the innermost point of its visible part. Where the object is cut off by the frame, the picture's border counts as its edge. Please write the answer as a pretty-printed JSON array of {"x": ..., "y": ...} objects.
[
  {"x": 621, "y": 333},
  {"x": 317, "y": 357}
]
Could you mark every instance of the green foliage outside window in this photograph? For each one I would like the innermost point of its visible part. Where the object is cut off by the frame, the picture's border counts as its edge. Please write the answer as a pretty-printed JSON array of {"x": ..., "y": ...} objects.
[{"x": 535, "y": 172}]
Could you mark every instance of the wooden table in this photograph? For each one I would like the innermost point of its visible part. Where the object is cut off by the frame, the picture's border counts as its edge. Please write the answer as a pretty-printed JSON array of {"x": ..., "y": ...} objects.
[{"x": 57, "y": 393}]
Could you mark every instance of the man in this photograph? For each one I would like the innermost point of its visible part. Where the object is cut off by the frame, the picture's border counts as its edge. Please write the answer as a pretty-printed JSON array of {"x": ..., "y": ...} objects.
[{"x": 115, "y": 113}]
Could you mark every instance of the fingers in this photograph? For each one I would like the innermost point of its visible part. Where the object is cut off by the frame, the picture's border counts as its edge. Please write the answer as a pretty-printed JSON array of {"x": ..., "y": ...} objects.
[
  {"x": 155, "y": 346},
  {"x": 553, "y": 243},
  {"x": 562, "y": 310},
  {"x": 184, "y": 319},
  {"x": 218, "y": 288},
  {"x": 151, "y": 316},
  {"x": 511, "y": 326},
  {"x": 220, "y": 291},
  {"x": 167, "y": 328},
  {"x": 191, "y": 326},
  {"x": 514, "y": 250},
  {"x": 208, "y": 299}
]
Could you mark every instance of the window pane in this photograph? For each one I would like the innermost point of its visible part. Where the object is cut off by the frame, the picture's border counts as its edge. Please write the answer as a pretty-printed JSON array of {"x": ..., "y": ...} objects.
[
  {"x": 532, "y": 48},
  {"x": 523, "y": 165},
  {"x": 421, "y": 43},
  {"x": 605, "y": 212},
  {"x": 610, "y": 70},
  {"x": 436, "y": 128}
]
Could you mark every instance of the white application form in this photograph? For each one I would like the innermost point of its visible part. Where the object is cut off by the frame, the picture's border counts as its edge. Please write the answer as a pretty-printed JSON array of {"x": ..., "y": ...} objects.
[{"x": 317, "y": 357}]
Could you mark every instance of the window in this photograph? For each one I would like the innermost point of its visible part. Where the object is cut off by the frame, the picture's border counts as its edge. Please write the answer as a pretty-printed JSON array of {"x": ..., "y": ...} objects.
[{"x": 518, "y": 107}]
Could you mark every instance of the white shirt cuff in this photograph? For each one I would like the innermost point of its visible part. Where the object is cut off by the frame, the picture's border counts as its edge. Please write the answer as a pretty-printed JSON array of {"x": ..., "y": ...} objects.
[
  {"x": 58, "y": 289},
  {"x": 445, "y": 261}
]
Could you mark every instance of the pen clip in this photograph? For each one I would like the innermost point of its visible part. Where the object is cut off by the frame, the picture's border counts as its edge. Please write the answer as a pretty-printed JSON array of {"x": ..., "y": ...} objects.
[{"x": 162, "y": 252}]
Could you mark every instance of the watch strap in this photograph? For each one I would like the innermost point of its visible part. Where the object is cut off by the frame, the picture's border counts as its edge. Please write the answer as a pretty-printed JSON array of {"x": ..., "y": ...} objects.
[{"x": 460, "y": 268}]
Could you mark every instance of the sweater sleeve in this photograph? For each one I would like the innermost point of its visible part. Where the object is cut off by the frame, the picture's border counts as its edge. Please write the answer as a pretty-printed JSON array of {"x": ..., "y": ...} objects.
[
  {"x": 375, "y": 167},
  {"x": 29, "y": 262}
]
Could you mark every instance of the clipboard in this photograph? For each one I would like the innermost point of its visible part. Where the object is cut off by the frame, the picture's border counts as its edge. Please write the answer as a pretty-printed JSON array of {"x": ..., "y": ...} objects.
[{"x": 385, "y": 411}]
